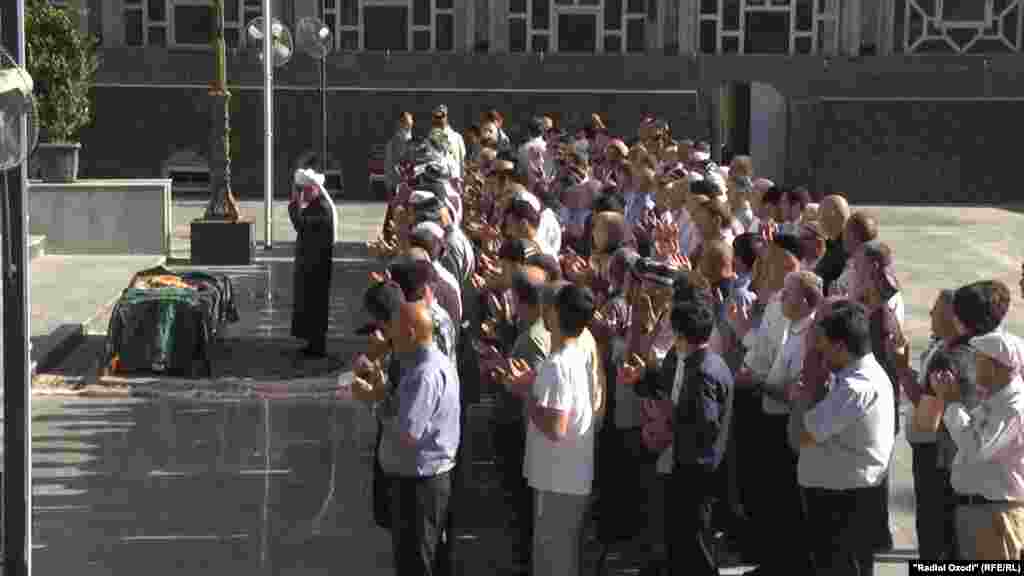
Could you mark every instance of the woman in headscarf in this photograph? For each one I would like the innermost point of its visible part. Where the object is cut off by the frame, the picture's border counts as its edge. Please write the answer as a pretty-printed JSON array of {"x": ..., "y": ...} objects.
[{"x": 312, "y": 213}]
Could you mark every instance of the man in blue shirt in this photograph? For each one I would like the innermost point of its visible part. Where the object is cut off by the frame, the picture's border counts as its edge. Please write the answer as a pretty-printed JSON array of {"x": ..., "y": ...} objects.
[{"x": 424, "y": 436}]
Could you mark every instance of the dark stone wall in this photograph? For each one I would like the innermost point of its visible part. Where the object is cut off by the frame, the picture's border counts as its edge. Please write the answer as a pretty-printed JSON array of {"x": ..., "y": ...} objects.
[
  {"x": 921, "y": 152},
  {"x": 916, "y": 128},
  {"x": 138, "y": 129}
]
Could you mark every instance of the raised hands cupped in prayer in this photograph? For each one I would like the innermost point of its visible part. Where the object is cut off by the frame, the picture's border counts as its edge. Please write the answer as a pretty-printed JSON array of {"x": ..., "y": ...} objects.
[
  {"x": 632, "y": 370},
  {"x": 577, "y": 269},
  {"x": 944, "y": 386},
  {"x": 377, "y": 345},
  {"x": 741, "y": 318}
]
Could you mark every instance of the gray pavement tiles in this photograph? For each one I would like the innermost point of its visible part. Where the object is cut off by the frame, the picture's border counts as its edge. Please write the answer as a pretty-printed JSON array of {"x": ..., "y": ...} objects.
[
  {"x": 165, "y": 485},
  {"x": 157, "y": 487}
]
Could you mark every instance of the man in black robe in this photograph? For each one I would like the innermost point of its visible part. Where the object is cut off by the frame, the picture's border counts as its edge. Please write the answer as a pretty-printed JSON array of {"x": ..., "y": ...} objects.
[{"x": 312, "y": 214}]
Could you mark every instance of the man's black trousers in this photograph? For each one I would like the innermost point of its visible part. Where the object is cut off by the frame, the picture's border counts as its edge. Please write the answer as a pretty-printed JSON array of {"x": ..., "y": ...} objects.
[{"x": 419, "y": 514}]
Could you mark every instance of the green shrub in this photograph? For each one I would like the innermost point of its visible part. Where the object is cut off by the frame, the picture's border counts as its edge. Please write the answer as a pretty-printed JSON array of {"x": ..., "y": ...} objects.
[{"x": 63, "y": 64}]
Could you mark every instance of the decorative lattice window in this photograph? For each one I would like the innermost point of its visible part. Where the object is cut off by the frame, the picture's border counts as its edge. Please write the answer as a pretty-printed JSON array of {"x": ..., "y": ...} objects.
[
  {"x": 577, "y": 26},
  {"x": 957, "y": 27},
  {"x": 769, "y": 26},
  {"x": 184, "y": 23},
  {"x": 396, "y": 25}
]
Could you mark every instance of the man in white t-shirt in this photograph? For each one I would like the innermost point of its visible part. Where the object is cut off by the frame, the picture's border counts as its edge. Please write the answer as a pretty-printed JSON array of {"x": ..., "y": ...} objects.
[{"x": 559, "y": 462}]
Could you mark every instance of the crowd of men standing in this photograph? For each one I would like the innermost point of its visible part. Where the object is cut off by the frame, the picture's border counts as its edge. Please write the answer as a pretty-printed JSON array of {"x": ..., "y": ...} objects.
[{"x": 680, "y": 351}]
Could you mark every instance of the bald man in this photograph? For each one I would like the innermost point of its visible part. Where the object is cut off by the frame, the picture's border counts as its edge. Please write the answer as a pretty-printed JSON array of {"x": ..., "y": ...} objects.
[
  {"x": 835, "y": 212},
  {"x": 424, "y": 437},
  {"x": 609, "y": 232}
]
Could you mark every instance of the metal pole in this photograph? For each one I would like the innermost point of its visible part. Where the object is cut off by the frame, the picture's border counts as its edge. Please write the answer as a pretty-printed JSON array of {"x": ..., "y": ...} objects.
[
  {"x": 323, "y": 97},
  {"x": 17, "y": 477},
  {"x": 268, "y": 124},
  {"x": 323, "y": 115}
]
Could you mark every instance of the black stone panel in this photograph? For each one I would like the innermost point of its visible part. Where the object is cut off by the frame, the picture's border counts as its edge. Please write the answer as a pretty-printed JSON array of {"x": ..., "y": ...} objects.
[
  {"x": 138, "y": 129},
  {"x": 921, "y": 151}
]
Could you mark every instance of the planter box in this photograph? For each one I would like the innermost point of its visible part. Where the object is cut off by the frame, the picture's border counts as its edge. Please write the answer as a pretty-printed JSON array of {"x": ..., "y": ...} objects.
[
  {"x": 220, "y": 243},
  {"x": 58, "y": 162},
  {"x": 102, "y": 216}
]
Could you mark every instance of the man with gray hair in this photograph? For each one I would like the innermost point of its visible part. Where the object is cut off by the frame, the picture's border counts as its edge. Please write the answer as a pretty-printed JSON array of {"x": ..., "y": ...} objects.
[
  {"x": 457, "y": 150},
  {"x": 429, "y": 237}
]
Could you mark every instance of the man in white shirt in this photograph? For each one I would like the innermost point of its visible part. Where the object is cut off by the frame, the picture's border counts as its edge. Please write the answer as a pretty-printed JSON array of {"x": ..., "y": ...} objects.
[
  {"x": 549, "y": 231},
  {"x": 779, "y": 492},
  {"x": 559, "y": 462},
  {"x": 846, "y": 443},
  {"x": 988, "y": 471},
  {"x": 394, "y": 151},
  {"x": 532, "y": 154},
  {"x": 439, "y": 119}
]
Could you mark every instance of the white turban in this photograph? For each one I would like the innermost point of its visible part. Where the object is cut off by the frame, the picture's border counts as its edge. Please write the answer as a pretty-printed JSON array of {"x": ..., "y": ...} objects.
[{"x": 309, "y": 177}]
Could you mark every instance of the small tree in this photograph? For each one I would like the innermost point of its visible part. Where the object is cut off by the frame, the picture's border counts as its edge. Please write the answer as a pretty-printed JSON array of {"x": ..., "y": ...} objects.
[{"x": 63, "y": 64}]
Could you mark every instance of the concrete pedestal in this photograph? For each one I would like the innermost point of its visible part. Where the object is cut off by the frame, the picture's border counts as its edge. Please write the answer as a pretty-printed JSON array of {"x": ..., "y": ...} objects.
[
  {"x": 221, "y": 243},
  {"x": 102, "y": 216}
]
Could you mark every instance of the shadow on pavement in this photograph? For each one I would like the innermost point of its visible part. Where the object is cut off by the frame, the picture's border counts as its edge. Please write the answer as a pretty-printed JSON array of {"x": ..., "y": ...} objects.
[{"x": 164, "y": 487}]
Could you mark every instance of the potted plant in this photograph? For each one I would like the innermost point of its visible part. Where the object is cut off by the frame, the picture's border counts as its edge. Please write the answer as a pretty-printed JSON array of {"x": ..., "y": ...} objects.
[{"x": 63, "y": 63}]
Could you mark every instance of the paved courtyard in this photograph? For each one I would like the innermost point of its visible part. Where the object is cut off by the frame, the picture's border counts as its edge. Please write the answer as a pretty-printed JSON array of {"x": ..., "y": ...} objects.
[{"x": 229, "y": 480}]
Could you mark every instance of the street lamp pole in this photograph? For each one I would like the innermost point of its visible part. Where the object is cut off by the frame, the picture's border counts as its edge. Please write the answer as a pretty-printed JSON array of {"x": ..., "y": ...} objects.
[
  {"x": 17, "y": 476},
  {"x": 268, "y": 124},
  {"x": 323, "y": 101}
]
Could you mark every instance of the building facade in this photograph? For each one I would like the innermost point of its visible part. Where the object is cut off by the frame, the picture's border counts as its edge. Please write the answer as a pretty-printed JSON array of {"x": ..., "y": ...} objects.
[{"x": 884, "y": 100}]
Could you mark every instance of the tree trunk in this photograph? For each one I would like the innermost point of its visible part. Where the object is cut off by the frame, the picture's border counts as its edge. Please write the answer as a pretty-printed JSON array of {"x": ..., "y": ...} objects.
[{"x": 222, "y": 204}]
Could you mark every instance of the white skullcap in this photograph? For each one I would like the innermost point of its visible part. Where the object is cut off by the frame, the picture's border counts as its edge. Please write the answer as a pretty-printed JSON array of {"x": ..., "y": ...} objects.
[
  {"x": 530, "y": 199},
  {"x": 694, "y": 176},
  {"x": 430, "y": 228},
  {"x": 309, "y": 177},
  {"x": 701, "y": 156},
  {"x": 421, "y": 196},
  {"x": 1001, "y": 346},
  {"x": 719, "y": 182},
  {"x": 581, "y": 147}
]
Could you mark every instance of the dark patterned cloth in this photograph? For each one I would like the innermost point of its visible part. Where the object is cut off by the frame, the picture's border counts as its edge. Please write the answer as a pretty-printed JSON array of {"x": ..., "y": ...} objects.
[{"x": 165, "y": 330}]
